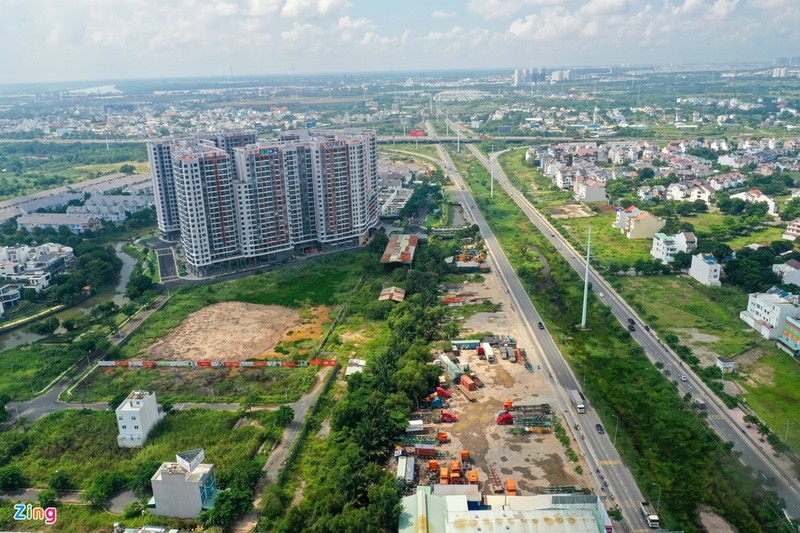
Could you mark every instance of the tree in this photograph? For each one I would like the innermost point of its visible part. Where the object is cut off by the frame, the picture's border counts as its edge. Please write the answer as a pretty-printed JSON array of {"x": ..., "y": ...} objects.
[
  {"x": 47, "y": 498},
  {"x": 138, "y": 285},
  {"x": 45, "y": 327},
  {"x": 11, "y": 478},
  {"x": 285, "y": 415},
  {"x": 140, "y": 479},
  {"x": 59, "y": 481},
  {"x": 127, "y": 169},
  {"x": 229, "y": 506}
]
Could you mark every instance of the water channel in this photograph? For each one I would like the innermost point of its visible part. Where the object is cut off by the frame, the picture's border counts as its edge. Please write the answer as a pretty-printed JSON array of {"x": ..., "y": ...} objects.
[{"x": 19, "y": 336}]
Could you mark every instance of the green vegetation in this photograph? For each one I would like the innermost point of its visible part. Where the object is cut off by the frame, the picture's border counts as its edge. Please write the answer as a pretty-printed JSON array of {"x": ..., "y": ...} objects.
[
  {"x": 265, "y": 385},
  {"x": 423, "y": 149},
  {"x": 36, "y": 166},
  {"x": 662, "y": 441}
]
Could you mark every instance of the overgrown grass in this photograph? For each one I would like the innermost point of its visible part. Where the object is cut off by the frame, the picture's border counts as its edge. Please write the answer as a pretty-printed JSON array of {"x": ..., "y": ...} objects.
[
  {"x": 28, "y": 369},
  {"x": 268, "y": 385},
  {"x": 84, "y": 443},
  {"x": 421, "y": 148},
  {"x": 85, "y": 519},
  {"x": 773, "y": 392}
]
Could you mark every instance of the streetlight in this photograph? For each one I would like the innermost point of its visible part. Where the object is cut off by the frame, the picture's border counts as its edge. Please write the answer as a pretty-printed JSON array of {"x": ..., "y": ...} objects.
[
  {"x": 658, "y": 501},
  {"x": 616, "y": 429},
  {"x": 786, "y": 435}
]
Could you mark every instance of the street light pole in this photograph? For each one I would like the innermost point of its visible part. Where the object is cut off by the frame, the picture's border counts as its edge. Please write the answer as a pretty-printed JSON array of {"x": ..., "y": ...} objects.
[
  {"x": 616, "y": 429},
  {"x": 786, "y": 435},
  {"x": 658, "y": 501}
]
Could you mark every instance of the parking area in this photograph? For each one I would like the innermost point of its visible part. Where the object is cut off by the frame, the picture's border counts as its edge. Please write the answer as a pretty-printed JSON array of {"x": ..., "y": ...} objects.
[{"x": 166, "y": 264}]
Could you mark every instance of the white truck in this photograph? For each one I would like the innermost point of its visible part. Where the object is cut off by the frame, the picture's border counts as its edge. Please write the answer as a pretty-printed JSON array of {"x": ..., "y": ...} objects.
[
  {"x": 577, "y": 401},
  {"x": 649, "y": 515}
]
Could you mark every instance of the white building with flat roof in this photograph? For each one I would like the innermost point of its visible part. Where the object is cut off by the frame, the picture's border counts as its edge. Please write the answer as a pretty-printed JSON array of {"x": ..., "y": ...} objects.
[
  {"x": 185, "y": 488},
  {"x": 136, "y": 417},
  {"x": 706, "y": 270},
  {"x": 767, "y": 311}
]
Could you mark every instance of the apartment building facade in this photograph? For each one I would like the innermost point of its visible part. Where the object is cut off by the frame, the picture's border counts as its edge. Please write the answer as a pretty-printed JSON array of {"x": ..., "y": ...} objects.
[{"x": 241, "y": 203}]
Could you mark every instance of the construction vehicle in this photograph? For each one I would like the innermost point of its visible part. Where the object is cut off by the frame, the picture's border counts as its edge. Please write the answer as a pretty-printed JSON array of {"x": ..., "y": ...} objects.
[
  {"x": 433, "y": 470},
  {"x": 455, "y": 478},
  {"x": 443, "y": 393},
  {"x": 444, "y": 476},
  {"x": 447, "y": 416},
  {"x": 511, "y": 487},
  {"x": 466, "y": 462},
  {"x": 649, "y": 515},
  {"x": 433, "y": 401},
  {"x": 504, "y": 418},
  {"x": 472, "y": 477},
  {"x": 442, "y": 437},
  {"x": 455, "y": 466}
]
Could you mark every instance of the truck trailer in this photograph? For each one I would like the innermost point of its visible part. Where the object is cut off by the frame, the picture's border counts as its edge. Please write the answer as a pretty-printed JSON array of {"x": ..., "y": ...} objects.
[
  {"x": 577, "y": 401},
  {"x": 649, "y": 515}
]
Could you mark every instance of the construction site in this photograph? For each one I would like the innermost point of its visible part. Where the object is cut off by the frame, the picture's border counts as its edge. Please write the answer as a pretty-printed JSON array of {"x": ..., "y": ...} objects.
[{"x": 489, "y": 423}]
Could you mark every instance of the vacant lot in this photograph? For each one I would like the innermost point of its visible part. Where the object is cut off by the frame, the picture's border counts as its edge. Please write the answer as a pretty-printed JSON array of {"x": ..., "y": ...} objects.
[{"x": 228, "y": 331}]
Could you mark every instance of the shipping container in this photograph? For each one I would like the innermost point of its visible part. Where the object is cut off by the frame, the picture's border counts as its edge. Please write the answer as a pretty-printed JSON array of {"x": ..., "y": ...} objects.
[
  {"x": 425, "y": 450},
  {"x": 411, "y": 472},
  {"x": 401, "y": 468},
  {"x": 468, "y": 383},
  {"x": 417, "y": 133}
]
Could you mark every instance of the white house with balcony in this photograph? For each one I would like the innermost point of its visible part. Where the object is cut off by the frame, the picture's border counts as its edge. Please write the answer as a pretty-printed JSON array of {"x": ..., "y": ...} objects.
[
  {"x": 767, "y": 311},
  {"x": 706, "y": 270},
  {"x": 184, "y": 488},
  {"x": 789, "y": 272},
  {"x": 136, "y": 417},
  {"x": 665, "y": 247},
  {"x": 756, "y": 196}
]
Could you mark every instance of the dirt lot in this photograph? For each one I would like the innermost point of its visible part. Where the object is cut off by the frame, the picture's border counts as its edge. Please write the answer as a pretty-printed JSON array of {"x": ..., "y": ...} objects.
[
  {"x": 228, "y": 331},
  {"x": 571, "y": 211},
  {"x": 532, "y": 460}
]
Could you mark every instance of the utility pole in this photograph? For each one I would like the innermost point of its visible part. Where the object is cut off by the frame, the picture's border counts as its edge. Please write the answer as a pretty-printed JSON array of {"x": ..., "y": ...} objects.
[
  {"x": 658, "y": 502},
  {"x": 616, "y": 429},
  {"x": 786, "y": 435},
  {"x": 586, "y": 281}
]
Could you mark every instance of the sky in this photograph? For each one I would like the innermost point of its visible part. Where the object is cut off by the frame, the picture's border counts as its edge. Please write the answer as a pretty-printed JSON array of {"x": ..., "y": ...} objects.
[{"x": 64, "y": 40}]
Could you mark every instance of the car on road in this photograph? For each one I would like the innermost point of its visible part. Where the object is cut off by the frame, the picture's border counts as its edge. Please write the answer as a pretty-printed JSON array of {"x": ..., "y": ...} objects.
[
  {"x": 600, "y": 294},
  {"x": 646, "y": 327},
  {"x": 582, "y": 396},
  {"x": 600, "y": 428},
  {"x": 684, "y": 378},
  {"x": 541, "y": 326},
  {"x": 631, "y": 327}
]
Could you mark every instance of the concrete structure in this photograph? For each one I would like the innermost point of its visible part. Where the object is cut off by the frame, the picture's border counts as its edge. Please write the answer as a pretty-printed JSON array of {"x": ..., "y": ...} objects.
[
  {"x": 34, "y": 266},
  {"x": 588, "y": 190},
  {"x": 622, "y": 217},
  {"x": 789, "y": 341},
  {"x": 767, "y": 311},
  {"x": 75, "y": 223},
  {"x": 726, "y": 365},
  {"x": 792, "y": 230},
  {"x": 665, "y": 247},
  {"x": 642, "y": 226},
  {"x": 113, "y": 207},
  {"x": 185, "y": 488},
  {"x": 705, "y": 269},
  {"x": 9, "y": 296},
  {"x": 424, "y": 512},
  {"x": 789, "y": 272},
  {"x": 136, "y": 417},
  {"x": 239, "y": 203},
  {"x": 395, "y": 294}
]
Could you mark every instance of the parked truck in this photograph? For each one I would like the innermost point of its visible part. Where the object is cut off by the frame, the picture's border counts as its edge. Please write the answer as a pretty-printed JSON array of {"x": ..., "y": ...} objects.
[
  {"x": 488, "y": 351},
  {"x": 649, "y": 515},
  {"x": 577, "y": 401}
]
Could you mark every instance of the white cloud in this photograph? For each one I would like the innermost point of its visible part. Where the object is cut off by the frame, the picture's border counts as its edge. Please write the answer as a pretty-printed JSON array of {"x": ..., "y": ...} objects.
[
  {"x": 723, "y": 8},
  {"x": 439, "y": 14},
  {"x": 304, "y": 9},
  {"x": 689, "y": 7},
  {"x": 262, "y": 8},
  {"x": 347, "y": 23},
  {"x": 300, "y": 34},
  {"x": 605, "y": 7}
]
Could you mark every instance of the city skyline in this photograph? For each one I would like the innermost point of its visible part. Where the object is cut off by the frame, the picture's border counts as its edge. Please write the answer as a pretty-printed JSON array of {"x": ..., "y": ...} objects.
[{"x": 74, "y": 40}]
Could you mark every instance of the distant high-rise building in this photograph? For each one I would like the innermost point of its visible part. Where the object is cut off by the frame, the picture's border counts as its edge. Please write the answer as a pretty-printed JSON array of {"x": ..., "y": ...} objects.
[
  {"x": 524, "y": 76},
  {"x": 309, "y": 189}
]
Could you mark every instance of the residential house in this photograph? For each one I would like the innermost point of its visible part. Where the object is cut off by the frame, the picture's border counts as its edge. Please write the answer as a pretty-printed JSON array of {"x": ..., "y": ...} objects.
[
  {"x": 185, "y": 488},
  {"x": 643, "y": 226},
  {"x": 665, "y": 247},
  {"x": 767, "y": 311},
  {"x": 588, "y": 190},
  {"x": 792, "y": 230},
  {"x": 789, "y": 272},
  {"x": 75, "y": 223},
  {"x": 756, "y": 196},
  {"x": 723, "y": 182},
  {"x": 622, "y": 216},
  {"x": 726, "y": 365},
  {"x": 136, "y": 417},
  {"x": 9, "y": 296},
  {"x": 705, "y": 269},
  {"x": 565, "y": 177}
]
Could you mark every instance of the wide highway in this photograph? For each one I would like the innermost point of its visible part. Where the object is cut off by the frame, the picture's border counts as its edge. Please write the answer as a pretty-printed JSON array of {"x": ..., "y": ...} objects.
[
  {"x": 784, "y": 483},
  {"x": 613, "y": 481}
]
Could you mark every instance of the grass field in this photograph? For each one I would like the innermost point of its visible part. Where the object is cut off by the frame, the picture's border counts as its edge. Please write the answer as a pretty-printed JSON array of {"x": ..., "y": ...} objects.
[
  {"x": 84, "y": 443},
  {"x": 228, "y": 385},
  {"x": 107, "y": 168},
  {"x": 424, "y": 149},
  {"x": 30, "y": 368},
  {"x": 773, "y": 391},
  {"x": 673, "y": 304},
  {"x": 85, "y": 519}
]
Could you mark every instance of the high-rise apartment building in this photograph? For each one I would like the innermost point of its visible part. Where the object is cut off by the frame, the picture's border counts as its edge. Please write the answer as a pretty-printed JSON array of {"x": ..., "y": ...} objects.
[{"x": 238, "y": 202}]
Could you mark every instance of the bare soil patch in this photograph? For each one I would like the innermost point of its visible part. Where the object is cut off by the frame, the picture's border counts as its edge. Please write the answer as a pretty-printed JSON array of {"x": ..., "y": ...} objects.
[
  {"x": 227, "y": 331},
  {"x": 714, "y": 523},
  {"x": 697, "y": 340},
  {"x": 571, "y": 211}
]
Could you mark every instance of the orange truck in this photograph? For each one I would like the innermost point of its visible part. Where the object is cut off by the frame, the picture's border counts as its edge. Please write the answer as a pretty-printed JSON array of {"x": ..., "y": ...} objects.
[
  {"x": 472, "y": 477},
  {"x": 511, "y": 487},
  {"x": 444, "y": 475}
]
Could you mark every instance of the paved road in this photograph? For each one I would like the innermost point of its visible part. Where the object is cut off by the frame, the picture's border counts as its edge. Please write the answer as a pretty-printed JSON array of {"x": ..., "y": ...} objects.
[
  {"x": 601, "y": 457},
  {"x": 720, "y": 418}
]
